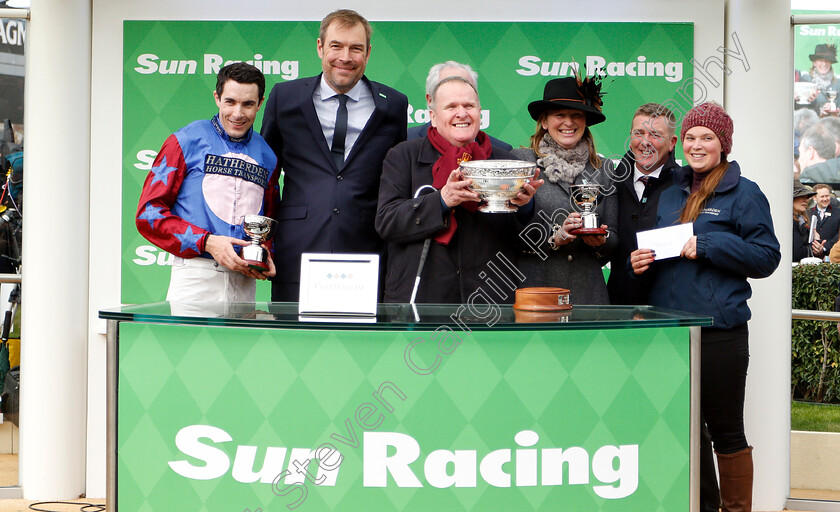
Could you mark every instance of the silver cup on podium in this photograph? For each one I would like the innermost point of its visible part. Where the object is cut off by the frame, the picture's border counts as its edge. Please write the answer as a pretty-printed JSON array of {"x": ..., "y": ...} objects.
[
  {"x": 258, "y": 229},
  {"x": 585, "y": 197}
]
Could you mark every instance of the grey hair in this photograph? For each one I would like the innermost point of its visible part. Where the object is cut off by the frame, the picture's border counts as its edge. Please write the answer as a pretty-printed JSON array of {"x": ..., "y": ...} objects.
[
  {"x": 803, "y": 119},
  {"x": 832, "y": 126},
  {"x": 447, "y": 80},
  {"x": 654, "y": 110},
  {"x": 818, "y": 137},
  {"x": 433, "y": 80}
]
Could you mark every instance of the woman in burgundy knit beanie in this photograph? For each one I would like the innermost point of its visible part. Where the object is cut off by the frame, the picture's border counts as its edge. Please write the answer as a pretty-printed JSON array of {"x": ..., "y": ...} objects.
[
  {"x": 712, "y": 116},
  {"x": 733, "y": 240},
  {"x": 705, "y": 155}
]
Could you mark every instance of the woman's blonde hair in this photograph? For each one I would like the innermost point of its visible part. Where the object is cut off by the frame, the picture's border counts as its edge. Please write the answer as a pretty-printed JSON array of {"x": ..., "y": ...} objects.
[
  {"x": 537, "y": 137},
  {"x": 697, "y": 199}
]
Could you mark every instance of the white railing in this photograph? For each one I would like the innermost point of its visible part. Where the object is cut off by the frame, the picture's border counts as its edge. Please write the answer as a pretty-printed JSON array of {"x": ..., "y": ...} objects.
[
  {"x": 14, "y": 13},
  {"x": 806, "y": 314}
]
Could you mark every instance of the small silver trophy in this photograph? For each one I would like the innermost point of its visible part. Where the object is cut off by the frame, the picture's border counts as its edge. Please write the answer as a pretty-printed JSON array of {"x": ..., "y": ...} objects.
[
  {"x": 498, "y": 181},
  {"x": 830, "y": 105},
  {"x": 585, "y": 197},
  {"x": 259, "y": 229}
]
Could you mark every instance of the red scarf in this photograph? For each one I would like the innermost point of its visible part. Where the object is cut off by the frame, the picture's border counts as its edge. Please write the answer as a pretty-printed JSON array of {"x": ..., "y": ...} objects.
[{"x": 450, "y": 159}]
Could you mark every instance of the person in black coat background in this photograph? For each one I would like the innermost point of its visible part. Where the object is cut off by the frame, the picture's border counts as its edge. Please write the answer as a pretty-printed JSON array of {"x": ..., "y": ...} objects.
[
  {"x": 828, "y": 220},
  {"x": 801, "y": 223},
  {"x": 651, "y": 160}
]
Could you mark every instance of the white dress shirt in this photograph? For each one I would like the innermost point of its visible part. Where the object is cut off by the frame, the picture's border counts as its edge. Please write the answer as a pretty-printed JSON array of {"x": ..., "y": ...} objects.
[
  {"x": 638, "y": 185},
  {"x": 360, "y": 106}
]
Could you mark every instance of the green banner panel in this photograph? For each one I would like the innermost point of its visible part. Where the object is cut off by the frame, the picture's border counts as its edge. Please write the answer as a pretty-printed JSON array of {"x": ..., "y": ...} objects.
[
  {"x": 807, "y": 37},
  {"x": 169, "y": 72},
  {"x": 222, "y": 419}
]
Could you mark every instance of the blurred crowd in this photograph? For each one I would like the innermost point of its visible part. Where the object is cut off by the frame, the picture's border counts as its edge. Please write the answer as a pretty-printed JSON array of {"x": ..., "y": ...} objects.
[{"x": 816, "y": 166}]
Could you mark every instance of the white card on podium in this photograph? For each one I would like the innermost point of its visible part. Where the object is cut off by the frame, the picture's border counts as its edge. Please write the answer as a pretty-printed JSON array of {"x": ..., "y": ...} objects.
[{"x": 338, "y": 284}]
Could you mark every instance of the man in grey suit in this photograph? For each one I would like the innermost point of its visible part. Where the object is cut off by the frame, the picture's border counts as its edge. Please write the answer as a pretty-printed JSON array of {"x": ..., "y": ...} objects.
[{"x": 330, "y": 133}]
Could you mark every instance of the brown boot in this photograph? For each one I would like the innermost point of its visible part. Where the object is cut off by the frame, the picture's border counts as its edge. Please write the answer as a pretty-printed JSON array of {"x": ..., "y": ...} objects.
[{"x": 736, "y": 480}]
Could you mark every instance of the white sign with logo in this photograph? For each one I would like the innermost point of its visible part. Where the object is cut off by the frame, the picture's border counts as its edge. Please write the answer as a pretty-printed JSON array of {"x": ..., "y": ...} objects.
[{"x": 339, "y": 284}]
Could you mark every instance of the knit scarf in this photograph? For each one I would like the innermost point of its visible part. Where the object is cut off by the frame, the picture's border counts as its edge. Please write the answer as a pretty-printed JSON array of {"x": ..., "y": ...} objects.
[
  {"x": 450, "y": 159},
  {"x": 823, "y": 80},
  {"x": 562, "y": 164}
]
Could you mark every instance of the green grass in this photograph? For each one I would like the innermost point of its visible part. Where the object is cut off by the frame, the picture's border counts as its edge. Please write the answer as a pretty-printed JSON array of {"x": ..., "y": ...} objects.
[{"x": 814, "y": 417}]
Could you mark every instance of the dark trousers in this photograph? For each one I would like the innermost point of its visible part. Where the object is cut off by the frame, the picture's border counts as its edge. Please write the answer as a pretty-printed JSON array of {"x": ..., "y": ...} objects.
[
  {"x": 724, "y": 358},
  {"x": 709, "y": 491},
  {"x": 285, "y": 292}
]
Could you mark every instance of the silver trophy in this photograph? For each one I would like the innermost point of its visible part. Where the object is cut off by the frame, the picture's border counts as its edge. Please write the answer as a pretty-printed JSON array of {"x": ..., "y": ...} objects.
[
  {"x": 830, "y": 105},
  {"x": 498, "y": 181},
  {"x": 259, "y": 229},
  {"x": 585, "y": 197},
  {"x": 803, "y": 91}
]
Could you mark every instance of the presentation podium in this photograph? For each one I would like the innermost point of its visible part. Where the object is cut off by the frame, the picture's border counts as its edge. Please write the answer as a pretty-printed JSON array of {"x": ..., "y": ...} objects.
[{"x": 248, "y": 407}]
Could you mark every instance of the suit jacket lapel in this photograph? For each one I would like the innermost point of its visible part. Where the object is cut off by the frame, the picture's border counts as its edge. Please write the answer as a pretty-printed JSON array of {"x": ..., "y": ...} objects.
[
  {"x": 815, "y": 212},
  {"x": 631, "y": 185},
  {"x": 376, "y": 117},
  {"x": 311, "y": 116},
  {"x": 627, "y": 181}
]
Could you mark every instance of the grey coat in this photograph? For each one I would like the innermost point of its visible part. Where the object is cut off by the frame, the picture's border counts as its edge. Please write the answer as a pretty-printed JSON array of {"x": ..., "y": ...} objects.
[{"x": 575, "y": 266}]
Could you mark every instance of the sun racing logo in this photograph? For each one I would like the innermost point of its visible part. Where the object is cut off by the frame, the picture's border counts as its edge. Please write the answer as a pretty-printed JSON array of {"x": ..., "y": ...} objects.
[
  {"x": 216, "y": 463},
  {"x": 616, "y": 468},
  {"x": 461, "y": 468}
]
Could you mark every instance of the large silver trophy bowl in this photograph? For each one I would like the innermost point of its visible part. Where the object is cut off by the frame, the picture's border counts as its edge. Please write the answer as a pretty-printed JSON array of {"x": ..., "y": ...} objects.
[
  {"x": 585, "y": 197},
  {"x": 258, "y": 229},
  {"x": 498, "y": 181},
  {"x": 803, "y": 91}
]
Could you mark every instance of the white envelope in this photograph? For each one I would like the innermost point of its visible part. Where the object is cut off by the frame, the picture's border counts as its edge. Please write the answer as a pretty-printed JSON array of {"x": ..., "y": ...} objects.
[{"x": 666, "y": 242}]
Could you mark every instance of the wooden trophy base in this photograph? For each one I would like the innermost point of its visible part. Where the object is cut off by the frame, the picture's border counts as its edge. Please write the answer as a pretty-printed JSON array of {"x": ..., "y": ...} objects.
[
  {"x": 257, "y": 265},
  {"x": 588, "y": 231}
]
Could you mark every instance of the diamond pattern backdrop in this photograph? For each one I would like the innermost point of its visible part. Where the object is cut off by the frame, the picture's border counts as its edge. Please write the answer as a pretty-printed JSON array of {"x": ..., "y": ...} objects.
[
  {"x": 294, "y": 389},
  {"x": 156, "y": 104}
]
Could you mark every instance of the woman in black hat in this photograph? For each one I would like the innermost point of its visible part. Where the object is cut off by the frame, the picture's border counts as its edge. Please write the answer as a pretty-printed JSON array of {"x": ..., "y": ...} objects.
[
  {"x": 801, "y": 225},
  {"x": 564, "y": 150},
  {"x": 823, "y": 76}
]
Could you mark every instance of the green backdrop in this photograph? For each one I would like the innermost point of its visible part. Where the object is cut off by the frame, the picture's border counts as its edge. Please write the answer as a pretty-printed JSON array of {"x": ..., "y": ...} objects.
[
  {"x": 167, "y": 84},
  {"x": 807, "y": 37}
]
